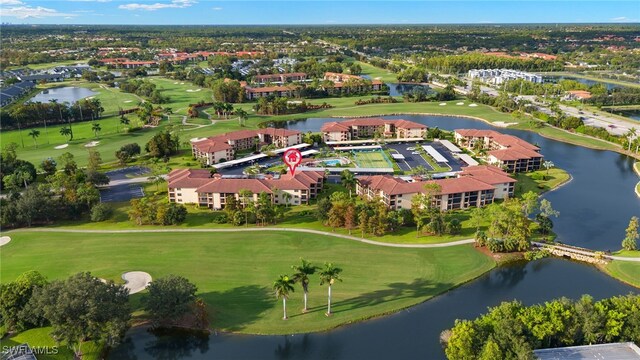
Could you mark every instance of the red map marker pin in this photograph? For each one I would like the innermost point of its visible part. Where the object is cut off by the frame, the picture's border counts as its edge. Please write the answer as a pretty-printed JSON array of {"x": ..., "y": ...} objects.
[{"x": 292, "y": 158}]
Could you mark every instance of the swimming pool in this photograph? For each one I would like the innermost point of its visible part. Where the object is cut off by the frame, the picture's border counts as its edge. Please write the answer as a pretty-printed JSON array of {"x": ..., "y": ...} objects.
[{"x": 333, "y": 162}]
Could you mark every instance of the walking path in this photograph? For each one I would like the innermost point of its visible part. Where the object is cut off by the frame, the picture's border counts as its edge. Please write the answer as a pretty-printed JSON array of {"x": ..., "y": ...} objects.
[
  {"x": 316, "y": 232},
  {"x": 586, "y": 252},
  {"x": 309, "y": 231}
]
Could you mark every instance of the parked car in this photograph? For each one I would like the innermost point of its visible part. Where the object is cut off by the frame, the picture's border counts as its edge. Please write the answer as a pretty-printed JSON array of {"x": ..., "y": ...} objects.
[
  {"x": 410, "y": 148},
  {"x": 415, "y": 153}
]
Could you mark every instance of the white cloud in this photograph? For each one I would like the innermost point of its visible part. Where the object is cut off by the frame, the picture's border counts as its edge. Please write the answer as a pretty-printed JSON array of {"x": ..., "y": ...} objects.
[
  {"x": 10, "y": 2},
  {"x": 216, "y": 8},
  {"x": 175, "y": 4},
  {"x": 26, "y": 12},
  {"x": 623, "y": 19},
  {"x": 100, "y": 1},
  {"x": 83, "y": 11}
]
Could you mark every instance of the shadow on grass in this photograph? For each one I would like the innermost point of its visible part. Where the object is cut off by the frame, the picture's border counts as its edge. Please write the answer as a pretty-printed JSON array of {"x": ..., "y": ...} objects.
[
  {"x": 242, "y": 306},
  {"x": 418, "y": 288}
]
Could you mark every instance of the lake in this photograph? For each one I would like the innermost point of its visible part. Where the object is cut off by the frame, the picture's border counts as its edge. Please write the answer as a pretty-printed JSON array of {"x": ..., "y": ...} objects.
[
  {"x": 595, "y": 208},
  {"x": 68, "y": 94}
]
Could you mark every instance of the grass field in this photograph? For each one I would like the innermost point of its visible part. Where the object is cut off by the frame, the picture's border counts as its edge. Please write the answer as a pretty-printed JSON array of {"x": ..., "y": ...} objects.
[
  {"x": 39, "y": 337},
  {"x": 234, "y": 271},
  {"x": 377, "y": 73},
  {"x": 552, "y": 179},
  {"x": 372, "y": 159},
  {"x": 626, "y": 271}
]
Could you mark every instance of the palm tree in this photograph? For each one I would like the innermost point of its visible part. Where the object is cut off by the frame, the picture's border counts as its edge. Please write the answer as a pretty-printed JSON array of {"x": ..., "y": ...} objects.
[
  {"x": 34, "y": 134},
  {"x": 329, "y": 275},
  {"x": 242, "y": 116},
  {"x": 548, "y": 165},
  {"x": 95, "y": 127},
  {"x": 301, "y": 275},
  {"x": 348, "y": 180},
  {"x": 156, "y": 179},
  {"x": 630, "y": 135},
  {"x": 245, "y": 194},
  {"x": 65, "y": 131},
  {"x": 283, "y": 286}
]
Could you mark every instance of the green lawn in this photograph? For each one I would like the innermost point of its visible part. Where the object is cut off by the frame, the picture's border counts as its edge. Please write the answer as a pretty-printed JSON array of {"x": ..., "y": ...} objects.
[
  {"x": 40, "y": 338},
  {"x": 636, "y": 167},
  {"x": 548, "y": 180},
  {"x": 48, "y": 65},
  {"x": 626, "y": 271},
  {"x": 234, "y": 271},
  {"x": 377, "y": 73}
]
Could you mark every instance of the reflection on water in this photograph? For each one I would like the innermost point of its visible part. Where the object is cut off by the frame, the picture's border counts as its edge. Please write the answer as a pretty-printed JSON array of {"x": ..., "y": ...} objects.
[
  {"x": 410, "y": 334},
  {"x": 594, "y": 211},
  {"x": 63, "y": 95}
]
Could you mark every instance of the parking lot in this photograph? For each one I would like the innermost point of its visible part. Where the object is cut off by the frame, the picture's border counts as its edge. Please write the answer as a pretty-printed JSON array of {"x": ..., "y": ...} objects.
[
  {"x": 413, "y": 160},
  {"x": 124, "y": 192}
]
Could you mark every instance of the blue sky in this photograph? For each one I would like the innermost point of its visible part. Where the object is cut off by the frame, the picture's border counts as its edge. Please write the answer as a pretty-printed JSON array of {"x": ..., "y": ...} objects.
[{"x": 210, "y": 12}]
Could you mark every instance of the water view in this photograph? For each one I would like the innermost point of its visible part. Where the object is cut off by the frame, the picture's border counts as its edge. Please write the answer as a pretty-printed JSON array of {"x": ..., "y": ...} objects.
[
  {"x": 595, "y": 219},
  {"x": 68, "y": 94}
]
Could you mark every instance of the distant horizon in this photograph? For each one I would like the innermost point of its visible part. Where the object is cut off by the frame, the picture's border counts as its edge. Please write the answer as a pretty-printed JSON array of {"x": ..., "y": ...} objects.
[
  {"x": 328, "y": 25},
  {"x": 316, "y": 13}
]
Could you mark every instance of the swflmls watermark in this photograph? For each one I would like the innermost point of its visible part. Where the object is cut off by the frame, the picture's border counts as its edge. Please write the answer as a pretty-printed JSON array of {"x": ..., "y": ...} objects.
[{"x": 25, "y": 349}]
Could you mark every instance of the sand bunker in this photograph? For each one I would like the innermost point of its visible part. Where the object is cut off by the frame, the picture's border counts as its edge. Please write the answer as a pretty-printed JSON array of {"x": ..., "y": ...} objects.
[
  {"x": 4, "y": 240},
  {"x": 443, "y": 104},
  {"x": 504, "y": 124},
  {"x": 378, "y": 78},
  {"x": 191, "y": 90},
  {"x": 92, "y": 144},
  {"x": 136, "y": 281},
  {"x": 181, "y": 83},
  {"x": 473, "y": 105},
  {"x": 460, "y": 103},
  {"x": 175, "y": 83},
  {"x": 128, "y": 101},
  {"x": 61, "y": 146}
]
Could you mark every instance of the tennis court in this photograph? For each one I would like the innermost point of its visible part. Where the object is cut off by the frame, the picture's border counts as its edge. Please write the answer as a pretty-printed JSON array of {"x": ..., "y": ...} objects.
[{"x": 372, "y": 159}]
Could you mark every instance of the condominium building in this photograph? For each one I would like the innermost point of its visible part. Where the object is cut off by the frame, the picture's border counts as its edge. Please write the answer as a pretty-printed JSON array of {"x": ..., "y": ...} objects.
[
  {"x": 505, "y": 151},
  {"x": 349, "y": 83},
  {"x": 368, "y": 127},
  {"x": 223, "y": 147},
  {"x": 280, "y": 78},
  {"x": 499, "y": 76},
  {"x": 198, "y": 186},
  {"x": 476, "y": 186}
]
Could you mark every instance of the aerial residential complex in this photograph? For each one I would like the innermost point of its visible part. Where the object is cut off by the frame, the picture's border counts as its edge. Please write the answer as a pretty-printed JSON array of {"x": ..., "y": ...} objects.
[
  {"x": 499, "y": 76},
  {"x": 223, "y": 147},
  {"x": 198, "y": 186},
  {"x": 368, "y": 127},
  {"x": 505, "y": 151},
  {"x": 475, "y": 186}
]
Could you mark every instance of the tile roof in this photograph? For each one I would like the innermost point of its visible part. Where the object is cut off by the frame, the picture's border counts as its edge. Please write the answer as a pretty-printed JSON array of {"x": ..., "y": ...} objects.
[
  {"x": 347, "y": 124},
  {"x": 487, "y": 174},
  {"x": 203, "y": 182}
]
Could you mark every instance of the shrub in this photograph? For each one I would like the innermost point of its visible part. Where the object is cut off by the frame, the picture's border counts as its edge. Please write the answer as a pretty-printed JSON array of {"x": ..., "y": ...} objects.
[
  {"x": 101, "y": 212},
  {"x": 454, "y": 227}
]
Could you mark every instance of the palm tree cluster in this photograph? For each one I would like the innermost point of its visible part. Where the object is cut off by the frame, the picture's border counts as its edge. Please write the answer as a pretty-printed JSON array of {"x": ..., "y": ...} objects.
[{"x": 283, "y": 286}]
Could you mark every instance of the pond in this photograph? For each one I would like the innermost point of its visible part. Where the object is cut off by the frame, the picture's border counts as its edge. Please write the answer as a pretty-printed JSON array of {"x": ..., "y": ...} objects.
[
  {"x": 595, "y": 208},
  {"x": 410, "y": 334},
  {"x": 68, "y": 94}
]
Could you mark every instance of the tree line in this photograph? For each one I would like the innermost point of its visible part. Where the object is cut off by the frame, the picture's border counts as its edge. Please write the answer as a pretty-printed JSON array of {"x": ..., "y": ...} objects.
[
  {"x": 32, "y": 114},
  {"x": 512, "y": 330},
  {"x": 66, "y": 194},
  {"x": 85, "y": 308}
]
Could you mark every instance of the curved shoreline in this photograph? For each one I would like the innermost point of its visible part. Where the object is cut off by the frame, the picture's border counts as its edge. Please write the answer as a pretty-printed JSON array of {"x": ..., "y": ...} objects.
[{"x": 616, "y": 148}]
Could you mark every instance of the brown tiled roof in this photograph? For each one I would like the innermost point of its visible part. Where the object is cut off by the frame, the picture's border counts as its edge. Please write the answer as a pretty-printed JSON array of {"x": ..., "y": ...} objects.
[
  {"x": 347, "y": 124},
  {"x": 395, "y": 186},
  {"x": 488, "y": 174},
  {"x": 516, "y": 153},
  {"x": 514, "y": 148},
  {"x": 203, "y": 182},
  {"x": 269, "y": 89},
  {"x": 460, "y": 185},
  {"x": 188, "y": 178},
  {"x": 211, "y": 145},
  {"x": 334, "y": 127}
]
